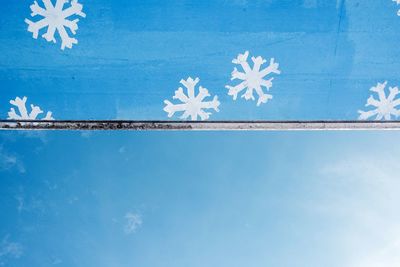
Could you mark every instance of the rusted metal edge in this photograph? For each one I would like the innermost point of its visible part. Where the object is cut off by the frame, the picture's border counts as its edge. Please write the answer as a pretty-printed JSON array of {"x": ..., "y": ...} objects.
[{"x": 199, "y": 126}]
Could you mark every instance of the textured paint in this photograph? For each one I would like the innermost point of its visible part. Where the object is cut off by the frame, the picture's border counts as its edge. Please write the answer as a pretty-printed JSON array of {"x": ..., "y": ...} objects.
[
  {"x": 119, "y": 125},
  {"x": 132, "y": 53}
]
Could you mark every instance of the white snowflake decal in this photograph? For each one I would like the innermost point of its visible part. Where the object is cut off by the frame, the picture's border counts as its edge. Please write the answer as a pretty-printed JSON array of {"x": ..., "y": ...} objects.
[
  {"x": 23, "y": 112},
  {"x": 385, "y": 107},
  {"x": 55, "y": 18},
  {"x": 253, "y": 79},
  {"x": 193, "y": 106},
  {"x": 398, "y": 3}
]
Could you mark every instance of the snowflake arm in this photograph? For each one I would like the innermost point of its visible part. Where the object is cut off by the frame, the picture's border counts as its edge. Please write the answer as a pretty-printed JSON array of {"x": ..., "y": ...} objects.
[
  {"x": 272, "y": 68},
  {"x": 253, "y": 79},
  {"x": 242, "y": 60},
  {"x": 55, "y": 18},
  {"x": 398, "y": 3},
  {"x": 66, "y": 40},
  {"x": 49, "y": 116},
  {"x": 75, "y": 9},
  {"x": 385, "y": 106},
  {"x": 20, "y": 104},
  {"x": 192, "y": 106}
]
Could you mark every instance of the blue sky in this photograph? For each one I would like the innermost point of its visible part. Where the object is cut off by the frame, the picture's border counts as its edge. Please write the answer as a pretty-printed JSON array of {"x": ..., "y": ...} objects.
[{"x": 119, "y": 199}]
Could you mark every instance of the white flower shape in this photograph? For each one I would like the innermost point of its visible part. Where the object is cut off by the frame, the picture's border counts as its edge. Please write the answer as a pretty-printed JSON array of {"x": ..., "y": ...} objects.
[
  {"x": 385, "y": 106},
  {"x": 398, "y": 3},
  {"x": 23, "y": 112},
  {"x": 55, "y": 18},
  {"x": 193, "y": 106},
  {"x": 253, "y": 78}
]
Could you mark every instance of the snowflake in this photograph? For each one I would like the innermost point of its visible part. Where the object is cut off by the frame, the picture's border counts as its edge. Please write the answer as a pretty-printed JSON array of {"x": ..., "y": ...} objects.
[
  {"x": 253, "y": 79},
  {"x": 55, "y": 19},
  {"x": 398, "y": 3},
  {"x": 21, "y": 105},
  {"x": 192, "y": 105},
  {"x": 385, "y": 107}
]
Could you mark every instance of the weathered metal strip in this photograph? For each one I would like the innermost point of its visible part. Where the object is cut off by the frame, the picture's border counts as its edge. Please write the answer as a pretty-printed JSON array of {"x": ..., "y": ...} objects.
[{"x": 199, "y": 126}]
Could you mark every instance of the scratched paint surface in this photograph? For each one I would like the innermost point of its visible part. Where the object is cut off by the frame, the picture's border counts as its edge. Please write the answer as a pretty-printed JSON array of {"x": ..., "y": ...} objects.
[
  {"x": 132, "y": 54},
  {"x": 122, "y": 199}
]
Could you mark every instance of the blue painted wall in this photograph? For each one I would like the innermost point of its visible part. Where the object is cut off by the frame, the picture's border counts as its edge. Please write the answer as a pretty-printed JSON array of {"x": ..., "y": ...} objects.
[{"x": 132, "y": 54}]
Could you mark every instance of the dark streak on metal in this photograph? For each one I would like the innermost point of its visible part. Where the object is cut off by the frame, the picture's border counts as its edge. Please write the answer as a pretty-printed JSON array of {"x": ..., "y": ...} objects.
[{"x": 198, "y": 126}]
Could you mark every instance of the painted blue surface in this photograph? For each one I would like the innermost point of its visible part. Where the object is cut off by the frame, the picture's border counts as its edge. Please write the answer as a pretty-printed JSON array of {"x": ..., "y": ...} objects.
[
  {"x": 132, "y": 54},
  {"x": 204, "y": 199},
  {"x": 200, "y": 199}
]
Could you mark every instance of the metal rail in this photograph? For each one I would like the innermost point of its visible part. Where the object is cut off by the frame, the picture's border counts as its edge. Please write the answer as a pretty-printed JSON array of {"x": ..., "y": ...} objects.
[{"x": 199, "y": 126}]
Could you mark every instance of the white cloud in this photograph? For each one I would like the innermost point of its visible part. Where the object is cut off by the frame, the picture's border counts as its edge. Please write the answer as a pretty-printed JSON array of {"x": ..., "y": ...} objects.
[
  {"x": 387, "y": 256},
  {"x": 30, "y": 204},
  {"x": 20, "y": 203},
  {"x": 122, "y": 149},
  {"x": 9, "y": 250},
  {"x": 56, "y": 261},
  {"x": 133, "y": 222},
  {"x": 9, "y": 161},
  {"x": 365, "y": 192}
]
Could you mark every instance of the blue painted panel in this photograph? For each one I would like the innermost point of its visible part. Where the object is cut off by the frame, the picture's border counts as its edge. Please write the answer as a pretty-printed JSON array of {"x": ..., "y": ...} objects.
[{"x": 132, "y": 54}]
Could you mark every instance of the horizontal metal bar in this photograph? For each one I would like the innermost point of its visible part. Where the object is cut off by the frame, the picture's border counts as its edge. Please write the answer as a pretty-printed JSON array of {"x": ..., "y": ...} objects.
[{"x": 199, "y": 126}]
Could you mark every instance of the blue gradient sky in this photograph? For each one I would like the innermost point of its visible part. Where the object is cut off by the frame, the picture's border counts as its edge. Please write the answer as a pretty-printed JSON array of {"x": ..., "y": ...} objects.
[{"x": 200, "y": 199}]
